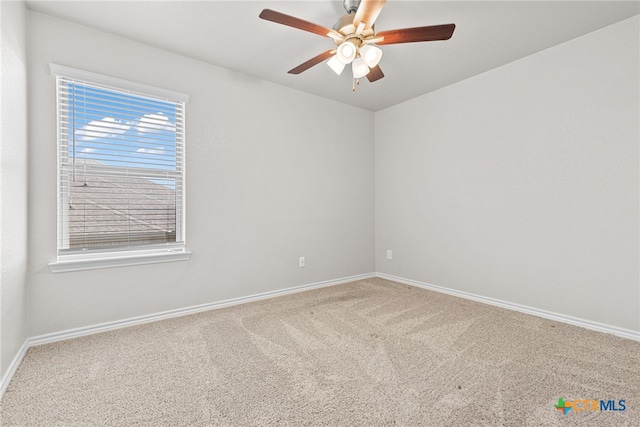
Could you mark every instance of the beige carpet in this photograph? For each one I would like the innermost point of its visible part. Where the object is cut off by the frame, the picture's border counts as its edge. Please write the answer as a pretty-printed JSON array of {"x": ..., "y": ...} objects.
[{"x": 367, "y": 353}]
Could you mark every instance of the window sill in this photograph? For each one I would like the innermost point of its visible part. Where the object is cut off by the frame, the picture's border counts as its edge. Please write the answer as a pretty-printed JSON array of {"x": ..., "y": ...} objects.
[{"x": 117, "y": 261}]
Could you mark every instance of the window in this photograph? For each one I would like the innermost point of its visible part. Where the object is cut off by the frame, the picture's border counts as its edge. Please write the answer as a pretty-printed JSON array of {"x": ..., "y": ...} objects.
[{"x": 121, "y": 170}]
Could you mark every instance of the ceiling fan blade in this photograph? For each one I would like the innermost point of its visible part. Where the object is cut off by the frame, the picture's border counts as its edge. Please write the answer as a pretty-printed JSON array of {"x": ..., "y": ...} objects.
[
  {"x": 375, "y": 74},
  {"x": 292, "y": 21},
  {"x": 418, "y": 34},
  {"x": 368, "y": 12},
  {"x": 313, "y": 61}
]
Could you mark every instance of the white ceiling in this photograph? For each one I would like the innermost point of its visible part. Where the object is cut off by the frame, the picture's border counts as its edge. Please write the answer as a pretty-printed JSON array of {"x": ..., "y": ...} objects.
[{"x": 230, "y": 34}]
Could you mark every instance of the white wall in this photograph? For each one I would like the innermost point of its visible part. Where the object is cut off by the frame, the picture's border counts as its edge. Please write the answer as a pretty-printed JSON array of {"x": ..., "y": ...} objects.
[
  {"x": 273, "y": 174},
  {"x": 13, "y": 181},
  {"x": 521, "y": 184}
]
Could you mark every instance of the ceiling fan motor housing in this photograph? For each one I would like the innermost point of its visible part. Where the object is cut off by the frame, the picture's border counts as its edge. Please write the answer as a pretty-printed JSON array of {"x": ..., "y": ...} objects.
[{"x": 345, "y": 25}]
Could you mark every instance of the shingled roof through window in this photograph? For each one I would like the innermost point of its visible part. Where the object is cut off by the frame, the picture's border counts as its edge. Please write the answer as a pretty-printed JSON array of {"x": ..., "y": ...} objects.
[{"x": 112, "y": 210}]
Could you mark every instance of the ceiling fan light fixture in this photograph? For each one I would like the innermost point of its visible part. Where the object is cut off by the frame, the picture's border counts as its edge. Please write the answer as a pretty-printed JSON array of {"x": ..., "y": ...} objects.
[
  {"x": 371, "y": 55},
  {"x": 359, "y": 68},
  {"x": 346, "y": 52},
  {"x": 335, "y": 64}
]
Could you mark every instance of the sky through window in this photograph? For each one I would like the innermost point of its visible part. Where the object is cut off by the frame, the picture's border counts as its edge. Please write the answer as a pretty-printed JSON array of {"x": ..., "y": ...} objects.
[{"x": 121, "y": 129}]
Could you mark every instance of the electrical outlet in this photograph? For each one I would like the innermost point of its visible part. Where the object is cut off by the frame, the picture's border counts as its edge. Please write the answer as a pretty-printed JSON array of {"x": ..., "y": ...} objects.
[
  {"x": 301, "y": 261},
  {"x": 389, "y": 254}
]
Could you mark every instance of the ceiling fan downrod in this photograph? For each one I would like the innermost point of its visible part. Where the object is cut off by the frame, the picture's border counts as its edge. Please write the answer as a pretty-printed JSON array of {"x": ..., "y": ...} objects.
[{"x": 351, "y": 6}]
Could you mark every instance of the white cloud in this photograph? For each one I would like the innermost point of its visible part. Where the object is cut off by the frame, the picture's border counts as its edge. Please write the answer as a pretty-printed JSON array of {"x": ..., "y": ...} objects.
[
  {"x": 87, "y": 150},
  {"x": 159, "y": 150},
  {"x": 155, "y": 123},
  {"x": 107, "y": 127}
]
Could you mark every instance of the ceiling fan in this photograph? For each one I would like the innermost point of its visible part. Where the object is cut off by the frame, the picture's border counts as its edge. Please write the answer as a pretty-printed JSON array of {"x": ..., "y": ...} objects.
[{"x": 354, "y": 36}]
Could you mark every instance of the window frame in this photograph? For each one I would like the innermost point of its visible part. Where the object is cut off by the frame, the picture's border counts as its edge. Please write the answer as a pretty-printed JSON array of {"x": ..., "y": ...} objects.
[{"x": 87, "y": 259}]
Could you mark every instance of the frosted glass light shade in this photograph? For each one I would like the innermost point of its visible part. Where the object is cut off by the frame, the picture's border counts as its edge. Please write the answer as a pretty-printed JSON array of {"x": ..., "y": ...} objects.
[
  {"x": 346, "y": 52},
  {"x": 336, "y": 65},
  {"x": 371, "y": 55},
  {"x": 359, "y": 68}
]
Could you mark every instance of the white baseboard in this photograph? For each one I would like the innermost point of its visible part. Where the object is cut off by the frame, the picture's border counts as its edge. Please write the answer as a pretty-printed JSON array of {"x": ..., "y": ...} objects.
[
  {"x": 6, "y": 379},
  {"x": 588, "y": 324},
  {"x": 108, "y": 326}
]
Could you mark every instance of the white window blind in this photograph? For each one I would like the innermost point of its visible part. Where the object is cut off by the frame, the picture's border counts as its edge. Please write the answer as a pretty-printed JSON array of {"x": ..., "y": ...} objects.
[{"x": 121, "y": 170}]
